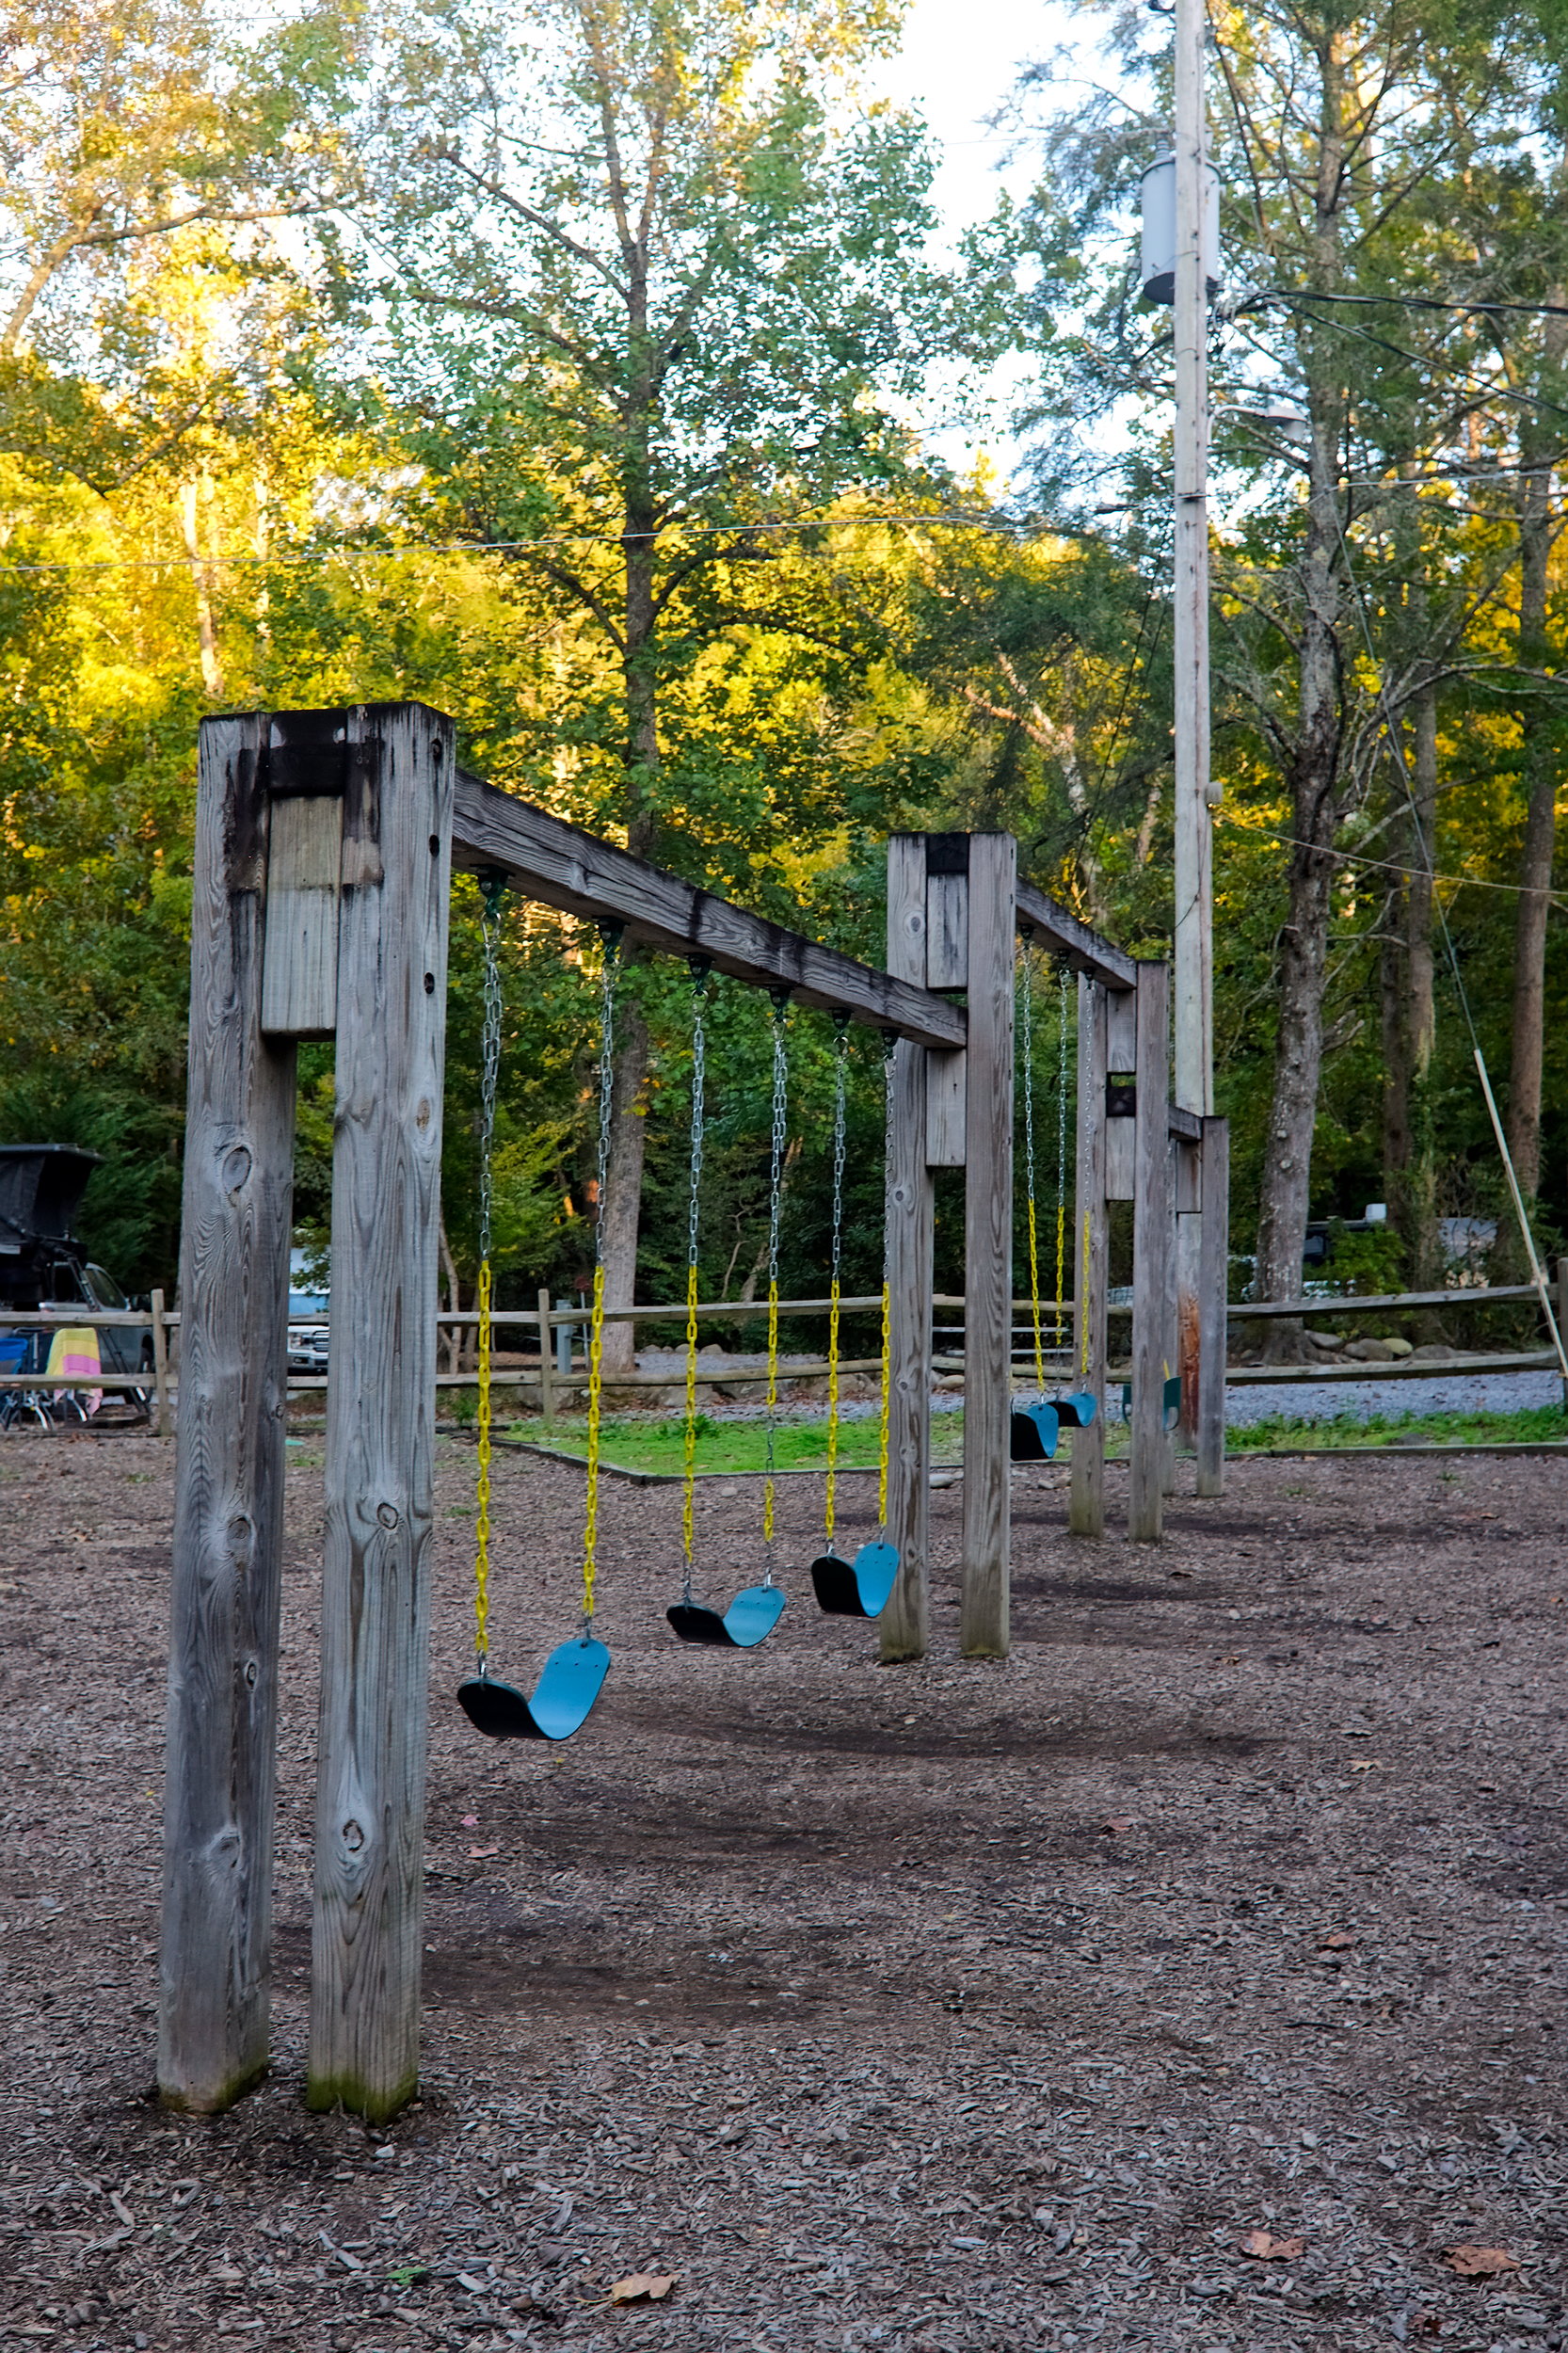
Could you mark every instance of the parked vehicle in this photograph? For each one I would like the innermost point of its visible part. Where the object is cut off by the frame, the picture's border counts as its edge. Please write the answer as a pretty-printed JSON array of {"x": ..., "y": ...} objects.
[
  {"x": 308, "y": 1309},
  {"x": 45, "y": 1271}
]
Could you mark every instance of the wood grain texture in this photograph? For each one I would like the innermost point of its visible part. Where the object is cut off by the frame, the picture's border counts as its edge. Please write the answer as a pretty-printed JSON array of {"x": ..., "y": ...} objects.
[
  {"x": 1086, "y": 1498},
  {"x": 221, "y": 1779},
  {"x": 947, "y": 929},
  {"x": 985, "y": 1613},
  {"x": 1213, "y": 1284},
  {"x": 903, "y": 1628},
  {"x": 381, "y": 1414},
  {"x": 1085, "y": 950},
  {"x": 562, "y": 867},
  {"x": 1151, "y": 1253},
  {"x": 299, "y": 976},
  {"x": 945, "y": 1092}
]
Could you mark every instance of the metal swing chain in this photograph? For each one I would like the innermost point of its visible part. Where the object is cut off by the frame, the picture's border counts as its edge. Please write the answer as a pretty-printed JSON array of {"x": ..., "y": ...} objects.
[
  {"x": 1026, "y": 993},
  {"x": 700, "y": 969},
  {"x": 610, "y": 934},
  {"x": 776, "y": 1197},
  {"x": 1060, "y": 1147},
  {"x": 840, "y": 1083},
  {"x": 883, "y": 1427},
  {"x": 493, "y": 886}
]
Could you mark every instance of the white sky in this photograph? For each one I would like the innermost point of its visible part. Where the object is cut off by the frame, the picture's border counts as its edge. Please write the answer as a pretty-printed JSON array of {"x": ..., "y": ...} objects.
[{"x": 958, "y": 62}]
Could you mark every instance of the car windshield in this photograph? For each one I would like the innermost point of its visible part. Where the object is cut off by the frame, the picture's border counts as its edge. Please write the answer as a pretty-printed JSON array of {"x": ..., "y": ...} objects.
[{"x": 105, "y": 1289}]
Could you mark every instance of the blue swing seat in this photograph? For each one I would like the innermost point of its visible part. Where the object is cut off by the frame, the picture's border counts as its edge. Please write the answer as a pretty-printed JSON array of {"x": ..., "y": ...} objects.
[
  {"x": 1032, "y": 1432},
  {"x": 1171, "y": 1400},
  {"x": 749, "y": 1619},
  {"x": 1077, "y": 1411},
  {"x": 563, "y": 1698},
  {"x": 860, "y": 1588}
]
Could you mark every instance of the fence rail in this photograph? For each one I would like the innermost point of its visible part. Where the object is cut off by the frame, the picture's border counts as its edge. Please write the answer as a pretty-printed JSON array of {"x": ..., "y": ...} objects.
[{"x": 546, "y": 1319}]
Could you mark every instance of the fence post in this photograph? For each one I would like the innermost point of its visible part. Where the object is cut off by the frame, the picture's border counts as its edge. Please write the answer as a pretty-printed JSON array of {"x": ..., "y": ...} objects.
[
  {"x": 160, "y": 1367},
  {"x": 546, "y": 1370},
  {"x": 228, "y": 1462},
  {"x": 380, "y": 1411}
]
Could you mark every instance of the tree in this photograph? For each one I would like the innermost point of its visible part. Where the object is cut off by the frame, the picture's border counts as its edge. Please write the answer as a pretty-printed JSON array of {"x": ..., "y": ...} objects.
[{"x": 655, "y": 292}]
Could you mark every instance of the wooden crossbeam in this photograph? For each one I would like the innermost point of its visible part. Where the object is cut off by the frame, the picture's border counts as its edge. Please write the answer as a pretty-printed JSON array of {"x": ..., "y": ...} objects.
[
  {"x": 566, "y": 868},
  {"x": 1085, "y": 950}
]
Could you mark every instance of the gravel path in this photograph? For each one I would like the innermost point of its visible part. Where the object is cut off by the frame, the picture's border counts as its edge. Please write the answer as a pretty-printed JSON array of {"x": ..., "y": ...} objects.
[
  {"x": 1324, "y": 1401},
  {"x": 956, "y": 2008}
]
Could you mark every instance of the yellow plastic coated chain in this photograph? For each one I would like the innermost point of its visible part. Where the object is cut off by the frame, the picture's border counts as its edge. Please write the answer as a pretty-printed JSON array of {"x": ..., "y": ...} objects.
[
  {"x": 596, "y": 1387},
  {"x": 832, "y": 1411},
  {"x": 885, "y": 1424},
  {"x": 688, "y": 1493},
  {"x": 482, "y": 1506},
  {"x": 773, "y": 1400},
  {"x": 1035, "y": 1287}
]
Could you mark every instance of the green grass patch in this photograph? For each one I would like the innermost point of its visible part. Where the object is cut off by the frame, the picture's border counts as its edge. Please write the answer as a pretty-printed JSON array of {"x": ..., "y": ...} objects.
[
  {"x": 1530, "y": 1426},
  {"x": 645, "y": 1442}
]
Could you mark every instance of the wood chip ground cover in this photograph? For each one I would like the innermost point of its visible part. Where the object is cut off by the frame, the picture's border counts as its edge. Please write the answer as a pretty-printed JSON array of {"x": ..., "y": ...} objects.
[{"x": 829, "y": 1991}]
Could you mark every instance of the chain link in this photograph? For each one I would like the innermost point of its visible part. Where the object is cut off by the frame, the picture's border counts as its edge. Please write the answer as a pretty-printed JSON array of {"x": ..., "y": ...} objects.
[
  {"x": 611, "y": 936},
  {"x": 1061, "y": 1145},
  {"x": 1026, "y": 1012},
  {"x": 699, "y": 1083},
  {"x": 776, "y": 1201},
  {"x": 493, "y": 886},
  {"x": 841, "y": 1085},
  {"x": 890, "y": 1192}
]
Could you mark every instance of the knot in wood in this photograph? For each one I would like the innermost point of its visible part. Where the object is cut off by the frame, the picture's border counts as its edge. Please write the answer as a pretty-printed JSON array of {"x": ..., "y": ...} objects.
[
  {"x": 236, "y": 1168},
  {"x": 387, "y": 1514}
]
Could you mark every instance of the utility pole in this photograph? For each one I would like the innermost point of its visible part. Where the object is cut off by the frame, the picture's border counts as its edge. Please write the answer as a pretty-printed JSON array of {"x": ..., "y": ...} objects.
[
  {"x": 1193, "y": 974},
  {"x": 1187, "y": 186}
]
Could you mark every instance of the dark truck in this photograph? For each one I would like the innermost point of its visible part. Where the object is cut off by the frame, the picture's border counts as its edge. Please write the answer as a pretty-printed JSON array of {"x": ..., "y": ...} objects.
[{"x": 43, "y": 1268}]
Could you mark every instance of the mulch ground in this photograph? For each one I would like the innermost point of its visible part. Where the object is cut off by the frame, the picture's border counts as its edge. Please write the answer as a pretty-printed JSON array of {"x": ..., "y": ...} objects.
[{"x": 938, "y": 2007}]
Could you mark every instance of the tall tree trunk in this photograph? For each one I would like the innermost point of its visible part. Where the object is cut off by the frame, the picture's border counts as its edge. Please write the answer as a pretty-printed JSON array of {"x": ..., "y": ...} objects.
[
  {"x": 622, "y": 1211},
  {"x": 1537, "y": 529},
  {"x": 1410, "y": 1028},
  {"x": 1313, "y": 769},
  {"x": 1313, "y": 762},
  {"x": 212, "y": 667}
]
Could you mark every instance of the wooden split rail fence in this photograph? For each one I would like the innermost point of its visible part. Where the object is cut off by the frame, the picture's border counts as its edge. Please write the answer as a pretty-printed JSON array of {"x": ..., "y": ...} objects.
[{"x": 550, "y": 1382}]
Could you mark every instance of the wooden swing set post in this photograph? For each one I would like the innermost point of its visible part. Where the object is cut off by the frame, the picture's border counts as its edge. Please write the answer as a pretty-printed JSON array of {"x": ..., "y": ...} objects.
[
  {"x": 1086, "y": 1498},
  {"x": 324, "y": 846},
  {"x": 227, "y": 1571},
  {"x": 1152, "y": 1242},
  {"x": 903, "y": 1628}
]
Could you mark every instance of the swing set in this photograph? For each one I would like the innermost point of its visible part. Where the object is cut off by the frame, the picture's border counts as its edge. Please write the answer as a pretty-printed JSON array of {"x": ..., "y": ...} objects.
[
  {"x": 574, "y": 1673},
  {"x": 325, "y": 843}
]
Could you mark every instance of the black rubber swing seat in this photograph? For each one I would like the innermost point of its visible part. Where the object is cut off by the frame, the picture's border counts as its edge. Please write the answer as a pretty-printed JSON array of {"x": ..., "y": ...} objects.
[
  {"x": 860, "y": 1588},
  {"x": 1077, "y": 1411},
  {"x": 749, "y": 1619},
  {"x": 562, "y": 1701},
  {"x": 1032, "y": 1432}
]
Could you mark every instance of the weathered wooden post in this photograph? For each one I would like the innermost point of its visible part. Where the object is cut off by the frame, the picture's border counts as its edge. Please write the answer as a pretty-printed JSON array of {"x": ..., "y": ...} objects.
[
  {"x": 1087, "y": 1500},
  {"x": 220, "y": 1789},
  {"x": 991, "y": 924},
  {"x": 380, "y": 1409},
  {"x": 905, "y": 1624},
  {"x": 1152, "y": 1242},
  {"x": 1213, "y": 1293}
]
